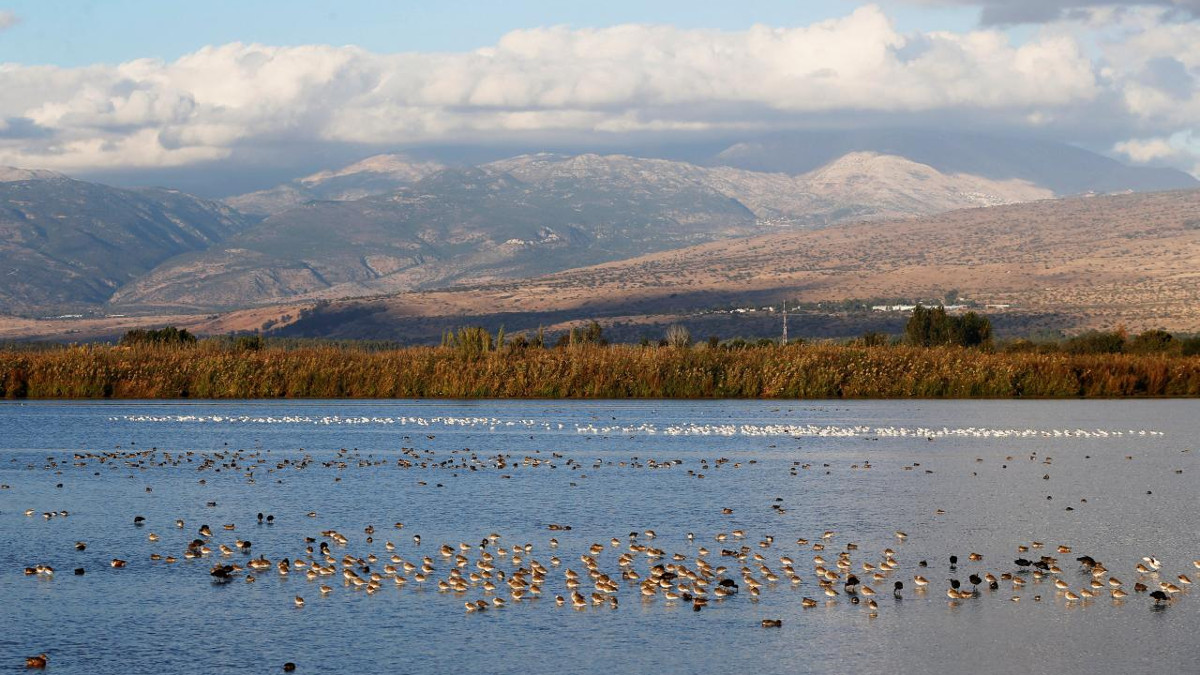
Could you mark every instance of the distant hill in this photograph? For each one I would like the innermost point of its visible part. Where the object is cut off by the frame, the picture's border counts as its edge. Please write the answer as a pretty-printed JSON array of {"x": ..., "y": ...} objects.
[
  {"x": 375, "y": 175},
  {"x": 1065, "y": 169},
  {"x": 66, "y": 243},
  {"x": 1071, "y": 264},
  {"x": 537, "y": 214}
]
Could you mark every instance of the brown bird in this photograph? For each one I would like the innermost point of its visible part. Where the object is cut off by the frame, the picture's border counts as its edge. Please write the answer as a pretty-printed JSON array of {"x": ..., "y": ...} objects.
[{"x": 38, "y": 661}]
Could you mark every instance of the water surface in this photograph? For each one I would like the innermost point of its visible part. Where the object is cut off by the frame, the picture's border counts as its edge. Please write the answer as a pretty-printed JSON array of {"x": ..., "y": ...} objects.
[{"x": 1115, "y": 480}]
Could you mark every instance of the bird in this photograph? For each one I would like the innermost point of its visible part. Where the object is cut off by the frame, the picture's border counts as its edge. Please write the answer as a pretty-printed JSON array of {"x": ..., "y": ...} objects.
[
  {"x": 37, "y": 661},
  {"x": 772, "y": 623}
]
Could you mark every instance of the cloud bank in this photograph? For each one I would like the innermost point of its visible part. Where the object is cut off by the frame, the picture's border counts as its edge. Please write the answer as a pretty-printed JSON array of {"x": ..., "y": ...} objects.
[
  {"x": 1008, "y": 12},
  {"x": 1141, "y": 89}
]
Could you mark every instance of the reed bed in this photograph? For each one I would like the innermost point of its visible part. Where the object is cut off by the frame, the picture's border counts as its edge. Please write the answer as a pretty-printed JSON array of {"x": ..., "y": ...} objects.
[{"x": 587, "y": 371}]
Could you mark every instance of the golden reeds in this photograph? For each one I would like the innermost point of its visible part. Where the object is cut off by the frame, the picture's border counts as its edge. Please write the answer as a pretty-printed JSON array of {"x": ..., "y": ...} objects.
[{"x": 587, "y": 371}]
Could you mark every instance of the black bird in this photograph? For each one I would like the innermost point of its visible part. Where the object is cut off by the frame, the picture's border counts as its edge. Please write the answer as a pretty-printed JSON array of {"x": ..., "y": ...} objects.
[
  {"x": 1022, "y": 562},
  {"x": 1159, "y": 596},
  {"x": 953, "y": 561},
  {"x": 222, "y": 572},
  {"x": 975, "y": 580},
  {"x": 851, "y": 585},
  {"x": 138, "y": 520},
  {"x": 897, "y": 587},
  {"x": 954, "y": 584},
  {"x": 1087, "y": 561},
  {"x": 260, "y": 517}
]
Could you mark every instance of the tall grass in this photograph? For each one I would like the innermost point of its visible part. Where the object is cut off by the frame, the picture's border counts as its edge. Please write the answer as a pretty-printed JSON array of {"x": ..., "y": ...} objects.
[{"x": 587, "y": 371}]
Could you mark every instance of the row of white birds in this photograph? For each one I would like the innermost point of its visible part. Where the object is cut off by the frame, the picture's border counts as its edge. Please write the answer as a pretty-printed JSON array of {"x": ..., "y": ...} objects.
[{"x": 680, "y": 429}]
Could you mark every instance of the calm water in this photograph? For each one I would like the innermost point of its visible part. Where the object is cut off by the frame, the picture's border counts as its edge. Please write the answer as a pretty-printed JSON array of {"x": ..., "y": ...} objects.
[{"x": 606, "y": 469}]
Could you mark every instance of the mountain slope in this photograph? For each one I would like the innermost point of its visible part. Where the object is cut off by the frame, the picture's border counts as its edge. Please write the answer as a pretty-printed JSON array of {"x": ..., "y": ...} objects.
[
  {"x": 375, "y": 175},
  {"x": 1065, "y": 169},
  {"x": 67, "y": 244},
  {"x": 537, "y": 214},
  {"x": 1088, "y": 262},
  {"x": 475, "y": 224}
]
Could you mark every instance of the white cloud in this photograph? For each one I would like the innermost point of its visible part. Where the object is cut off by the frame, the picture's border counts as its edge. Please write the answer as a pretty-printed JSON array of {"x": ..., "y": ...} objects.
[
  {"x": 556, "y": 80},
  {"x": 1146, "y": 150},
  {"x": 8, "y": 19}
]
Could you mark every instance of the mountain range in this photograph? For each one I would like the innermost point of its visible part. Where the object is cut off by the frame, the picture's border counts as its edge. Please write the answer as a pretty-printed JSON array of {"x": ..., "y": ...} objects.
[
  {"x": 1068, "y": 264},
  {"x": 397, "y": 224}
]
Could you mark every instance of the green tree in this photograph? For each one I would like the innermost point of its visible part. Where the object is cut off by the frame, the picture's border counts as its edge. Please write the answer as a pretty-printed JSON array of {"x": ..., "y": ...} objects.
[
  {"x": 170, "y": 335},
  {"x": 932, "y": 326}
]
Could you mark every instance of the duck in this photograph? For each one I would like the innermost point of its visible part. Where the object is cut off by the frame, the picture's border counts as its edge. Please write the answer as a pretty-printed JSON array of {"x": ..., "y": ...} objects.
[
  {"x": 772, "y": 623},
  {"x": 37, "y": 661}
]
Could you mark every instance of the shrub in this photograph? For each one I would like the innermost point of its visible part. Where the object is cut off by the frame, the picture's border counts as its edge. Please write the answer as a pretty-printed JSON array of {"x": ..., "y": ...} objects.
[
  {"x": 1151, "y": 342},
  {"x": 678, "y": 336},
  {"x": 1096, "y": 342},
  {"x": 248, "y": 343},
  {"x": 1190, "y": 346},
  {"x": 169, "y": 335}
]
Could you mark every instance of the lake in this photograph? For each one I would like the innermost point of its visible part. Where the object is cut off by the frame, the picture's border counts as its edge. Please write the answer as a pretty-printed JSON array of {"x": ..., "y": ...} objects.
[{"x": 642, "y": 483}]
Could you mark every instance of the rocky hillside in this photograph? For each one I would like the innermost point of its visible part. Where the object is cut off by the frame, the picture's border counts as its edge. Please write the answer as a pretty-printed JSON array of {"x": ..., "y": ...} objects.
[
  {"x": 1069, "y": 264},
  {"x": 537, "y": 214},
  {"x": 67, "y": 244},
  {"x": 372, "y": 176}
]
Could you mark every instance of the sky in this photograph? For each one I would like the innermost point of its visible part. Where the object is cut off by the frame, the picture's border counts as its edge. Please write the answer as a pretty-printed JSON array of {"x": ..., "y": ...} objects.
[{"x": 233, "y": 88}]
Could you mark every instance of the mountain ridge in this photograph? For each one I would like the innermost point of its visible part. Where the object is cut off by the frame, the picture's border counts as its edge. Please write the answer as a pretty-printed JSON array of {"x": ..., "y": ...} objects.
[
  {"x": 67, "y": 244},
  {"x": 540, "y": 213}
]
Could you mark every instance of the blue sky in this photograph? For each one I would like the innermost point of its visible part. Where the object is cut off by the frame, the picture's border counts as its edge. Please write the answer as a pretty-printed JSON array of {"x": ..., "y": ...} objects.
[{"x": 81, "y": 32}]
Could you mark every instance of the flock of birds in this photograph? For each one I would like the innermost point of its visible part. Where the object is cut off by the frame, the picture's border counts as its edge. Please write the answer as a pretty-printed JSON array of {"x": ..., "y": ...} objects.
[
  {"x": 597, "y": 428},
  {"x": 491, "y": 572}
]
